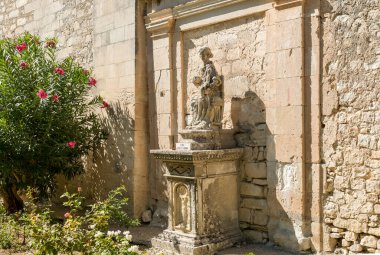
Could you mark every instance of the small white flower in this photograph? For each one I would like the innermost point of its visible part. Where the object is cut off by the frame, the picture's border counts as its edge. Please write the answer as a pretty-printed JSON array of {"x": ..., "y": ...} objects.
[
  {"x": 133, "y": 248},
  {"x": 110, "y": 233},
  {"x": 92, "y": 226},
  {"x": 118, "y": 232},
  {"x": 127, "y": 235},
  {"x": 99, "y": 234}
]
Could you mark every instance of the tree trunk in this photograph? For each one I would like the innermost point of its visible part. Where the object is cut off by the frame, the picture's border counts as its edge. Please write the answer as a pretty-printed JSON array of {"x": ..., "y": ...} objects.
[{"x": 12, "y": 201}]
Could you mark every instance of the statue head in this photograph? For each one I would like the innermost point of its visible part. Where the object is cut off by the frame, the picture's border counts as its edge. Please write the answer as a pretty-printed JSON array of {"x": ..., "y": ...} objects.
[{"x": 205, "y": 54}]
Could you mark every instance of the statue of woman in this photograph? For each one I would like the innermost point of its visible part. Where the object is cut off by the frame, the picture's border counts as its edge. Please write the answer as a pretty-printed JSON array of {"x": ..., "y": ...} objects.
[{"x": 206, "y": 107}]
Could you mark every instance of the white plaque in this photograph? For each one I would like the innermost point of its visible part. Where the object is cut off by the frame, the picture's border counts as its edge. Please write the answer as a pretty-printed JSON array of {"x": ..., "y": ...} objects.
[{"x": 182, "y": 146}]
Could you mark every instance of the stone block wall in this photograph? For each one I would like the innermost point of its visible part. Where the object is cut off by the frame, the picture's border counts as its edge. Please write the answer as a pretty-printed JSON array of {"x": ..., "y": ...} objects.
[
  {"x": 71, "y": 22},
  {"x": 351, "y": 120}
]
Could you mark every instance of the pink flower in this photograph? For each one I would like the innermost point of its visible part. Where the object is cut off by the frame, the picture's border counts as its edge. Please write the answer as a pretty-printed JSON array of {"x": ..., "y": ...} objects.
[
  {"x": 105, "y": 105},
  {"x": 79, "y": 189},
  {"x": 23, "y": 64},
  {"x": 59, "y": 70},
  {"x": 92, "y": 81},
  {"x": 55, "y": 98},
  {"x": 42, "y": 94},
  {"x": 21, "y": 47},
  {"x": 67, "y": 215},
  {"x": 71, "y": 144}
]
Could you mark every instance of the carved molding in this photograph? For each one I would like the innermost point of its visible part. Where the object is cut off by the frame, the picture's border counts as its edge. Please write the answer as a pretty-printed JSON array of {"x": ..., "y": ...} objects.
[
  {"x": 180, "y": 169},
  {"x": 196, "y": 7},
  {"x": 286, "y": 3},
  {"x": 193, "y": 156},
  {"x": 162, "y": 21}
]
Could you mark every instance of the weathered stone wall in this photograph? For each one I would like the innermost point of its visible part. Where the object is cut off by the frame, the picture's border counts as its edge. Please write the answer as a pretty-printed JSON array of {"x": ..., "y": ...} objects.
[
  {"x": 70, "y": 21},
  {"x": 351, "y": 119}
]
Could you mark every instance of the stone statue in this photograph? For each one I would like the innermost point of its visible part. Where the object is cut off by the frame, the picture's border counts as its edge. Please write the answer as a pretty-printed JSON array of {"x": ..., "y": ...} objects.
[
  {"x": 182, "y": 211},
  {"x": 207, "y": 106}
]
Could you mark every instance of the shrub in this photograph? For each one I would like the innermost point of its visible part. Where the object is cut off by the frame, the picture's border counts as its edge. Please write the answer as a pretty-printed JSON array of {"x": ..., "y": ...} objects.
[
  {"x": 47, "y": 119},
  {"x": 82, "y": 231}
]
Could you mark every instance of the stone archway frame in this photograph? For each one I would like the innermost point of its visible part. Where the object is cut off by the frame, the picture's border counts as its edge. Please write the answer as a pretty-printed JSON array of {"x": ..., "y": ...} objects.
[{"x": 294, "y": 58}]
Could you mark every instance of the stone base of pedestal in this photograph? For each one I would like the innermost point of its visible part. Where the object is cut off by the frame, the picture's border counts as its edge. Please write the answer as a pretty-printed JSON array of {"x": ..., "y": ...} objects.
[
  {"x": 173, "y": 243},
  {"x": 203, "y": 201}
]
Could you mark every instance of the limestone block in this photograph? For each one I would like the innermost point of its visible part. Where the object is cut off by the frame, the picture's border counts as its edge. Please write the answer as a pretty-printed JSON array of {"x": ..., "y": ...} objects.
[
  {"x": 21, "y": 21},
  {"x": 373, "y": 186},
  {"x": 335, "y": 235},
  {"x": 356, "y": 226},
  {"x": 289, "y": 120},
  {"x": 375, "y": 154},
  {"x": 341, "y": 182},
  {"x": 289, "y": 91},
  {"x": 260, "y": 218},
  {"x": 367, "y": 208},
  {"x": 256, "y": 170},
  {"x": 288, "y": 148},
  {"x": 162, "y": 79},
  {"x": 236, "y": 86},
  {"x": 289, "y": 34},
  {"x": 376, "y": 208},
  {"x": 104, "y": 23},
  {"x": 288, "y": 177},
  {"x": 161, "y": 58},
  {"x": 270, "y": 63},
  {"x": 117, "y": 35},
  {"x": 254, "y": 203},
  {"x": 289, "y": 63},
  {"x": 356, "y": 248},
  {"x": 341, "y": 223},
  {"x": 374, "y": 231},
  {"x": 346, "y": 243},
  {"x": 146, "y": 216},
  {"x": 245, "y": 215},
  {"x": 253, "y": 235},
  {"x": 261, "y": 182},
  {"x": 369, "y": 241},
  {"x": 249, "y": 189},
  {"x": 357, "y": 184}
]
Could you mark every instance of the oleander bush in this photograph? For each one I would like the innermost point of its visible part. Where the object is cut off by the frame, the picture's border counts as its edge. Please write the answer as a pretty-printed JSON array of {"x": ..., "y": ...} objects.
[{"x": 47, "y": 119}]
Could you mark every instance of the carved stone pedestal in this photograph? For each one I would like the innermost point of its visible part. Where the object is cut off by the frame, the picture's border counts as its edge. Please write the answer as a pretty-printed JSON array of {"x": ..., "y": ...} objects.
[{"x": 203, "y": 201}]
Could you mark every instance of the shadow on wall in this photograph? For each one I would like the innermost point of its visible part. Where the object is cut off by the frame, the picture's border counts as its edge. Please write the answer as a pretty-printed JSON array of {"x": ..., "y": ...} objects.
[
  {"x": 262, "y": 217},
  {"x": 157, "y": 182},
  {"x": 112, "y": 164}
]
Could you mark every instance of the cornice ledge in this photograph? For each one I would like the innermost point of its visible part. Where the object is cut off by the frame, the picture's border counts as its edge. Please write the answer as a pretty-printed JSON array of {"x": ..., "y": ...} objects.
[
  {"x": 286, "y": 3},
  {"x": 196, "y": 7},
  {"x": 159, "y": 21}
]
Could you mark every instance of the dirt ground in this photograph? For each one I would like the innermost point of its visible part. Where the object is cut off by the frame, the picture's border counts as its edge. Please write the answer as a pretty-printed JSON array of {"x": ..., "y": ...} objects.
[{"x": 143, "y": 234}]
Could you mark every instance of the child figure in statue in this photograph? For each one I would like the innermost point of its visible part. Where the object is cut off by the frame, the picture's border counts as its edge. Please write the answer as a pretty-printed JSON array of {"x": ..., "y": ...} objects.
[{"x": 207, "y": 106}]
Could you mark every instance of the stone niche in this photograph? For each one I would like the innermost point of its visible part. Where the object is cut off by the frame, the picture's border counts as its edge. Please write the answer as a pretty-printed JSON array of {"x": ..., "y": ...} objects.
[{"x": 267, "y": 55}]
